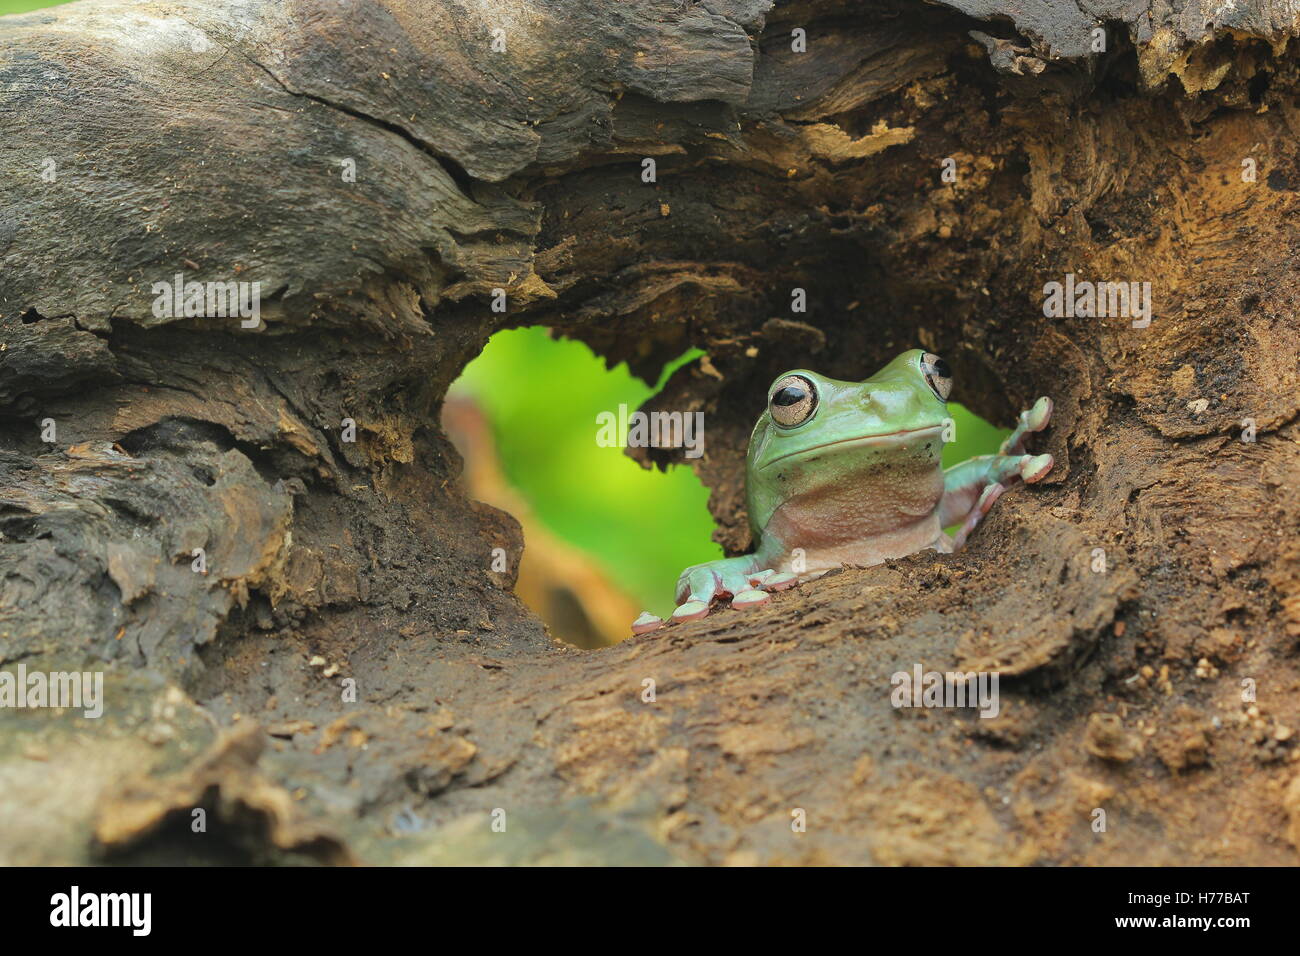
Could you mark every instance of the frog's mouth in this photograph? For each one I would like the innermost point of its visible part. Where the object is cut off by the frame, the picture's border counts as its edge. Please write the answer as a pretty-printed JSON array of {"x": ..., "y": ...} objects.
[{"x": 903, "y": 437}]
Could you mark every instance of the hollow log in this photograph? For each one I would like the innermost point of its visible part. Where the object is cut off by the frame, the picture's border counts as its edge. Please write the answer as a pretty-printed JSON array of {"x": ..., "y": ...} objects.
[{"x": 250, "y": 521}]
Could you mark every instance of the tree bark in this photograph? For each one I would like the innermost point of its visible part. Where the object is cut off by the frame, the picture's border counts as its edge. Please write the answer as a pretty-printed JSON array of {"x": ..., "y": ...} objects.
[{"x": 382, "y": 168}]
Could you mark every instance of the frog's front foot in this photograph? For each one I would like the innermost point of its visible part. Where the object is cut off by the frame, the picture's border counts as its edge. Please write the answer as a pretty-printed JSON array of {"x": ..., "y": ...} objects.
[
  {"x": 971, "y": 488},
  {"x": 1034, "y": 420},
  {"x": 704, "y": 585},
  {"x": 646, "y": 623}
]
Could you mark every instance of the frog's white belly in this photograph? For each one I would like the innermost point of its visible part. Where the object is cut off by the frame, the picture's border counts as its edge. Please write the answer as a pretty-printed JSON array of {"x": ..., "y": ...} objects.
[
  {"x": 820, "y": 556},
  {"x": 863, "y": 524}
]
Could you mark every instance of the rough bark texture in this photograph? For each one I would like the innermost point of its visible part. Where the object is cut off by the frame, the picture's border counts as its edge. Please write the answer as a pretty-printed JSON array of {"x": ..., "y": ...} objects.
[{"x": 209, "y": 138}]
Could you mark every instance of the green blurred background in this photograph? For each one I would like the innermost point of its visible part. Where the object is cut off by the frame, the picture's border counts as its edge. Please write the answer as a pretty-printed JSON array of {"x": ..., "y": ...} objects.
[
  {"x": 637, "y": 528},
  {"x": 18, "y": 6},
  {"x": 542, "y": 396}
]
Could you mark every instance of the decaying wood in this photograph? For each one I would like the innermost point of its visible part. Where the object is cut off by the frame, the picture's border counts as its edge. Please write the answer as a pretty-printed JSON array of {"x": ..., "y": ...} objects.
[{"x": 217, "y": 140}]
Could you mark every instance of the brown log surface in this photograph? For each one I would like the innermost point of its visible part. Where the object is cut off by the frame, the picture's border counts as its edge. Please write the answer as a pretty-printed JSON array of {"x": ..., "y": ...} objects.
[{"x": 208, "y": 138}]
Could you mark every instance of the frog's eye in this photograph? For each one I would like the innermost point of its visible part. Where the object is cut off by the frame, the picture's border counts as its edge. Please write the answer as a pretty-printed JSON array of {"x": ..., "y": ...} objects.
[
  {"x": 937, "y": 375},
  {"x": 794, "y": 398}
]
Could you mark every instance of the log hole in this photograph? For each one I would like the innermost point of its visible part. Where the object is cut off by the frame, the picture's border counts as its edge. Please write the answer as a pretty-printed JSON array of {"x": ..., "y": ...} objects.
[{"x": 604, "y": 536}]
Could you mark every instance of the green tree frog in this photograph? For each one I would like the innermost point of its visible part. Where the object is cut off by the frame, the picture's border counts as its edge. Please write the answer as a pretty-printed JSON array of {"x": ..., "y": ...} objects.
[{"x": 850, "y": 473}]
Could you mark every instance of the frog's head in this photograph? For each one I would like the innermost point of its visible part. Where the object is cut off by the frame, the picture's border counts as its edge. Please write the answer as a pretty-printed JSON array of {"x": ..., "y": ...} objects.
[{"x": 818, "y": 431}]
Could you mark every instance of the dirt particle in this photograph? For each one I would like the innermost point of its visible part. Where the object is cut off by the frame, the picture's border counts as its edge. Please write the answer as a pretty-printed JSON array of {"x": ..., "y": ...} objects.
[{"x": 1106, "y": 739}]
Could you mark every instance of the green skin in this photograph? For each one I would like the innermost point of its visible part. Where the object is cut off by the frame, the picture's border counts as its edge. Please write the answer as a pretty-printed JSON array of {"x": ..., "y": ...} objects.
[{"x": 858, "y": 482}]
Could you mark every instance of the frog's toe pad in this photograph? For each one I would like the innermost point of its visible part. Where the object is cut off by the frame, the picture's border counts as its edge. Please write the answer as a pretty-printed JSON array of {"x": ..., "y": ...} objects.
[
  {"x": 646, "y": 623},
  {"x": 779, "y": 582},
  {"x": 1036, "y": 418},
  {"x": 1035, "y": 467},
  {"x": 690, "y": 611},
  {"x": 748, "y": 599}
]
